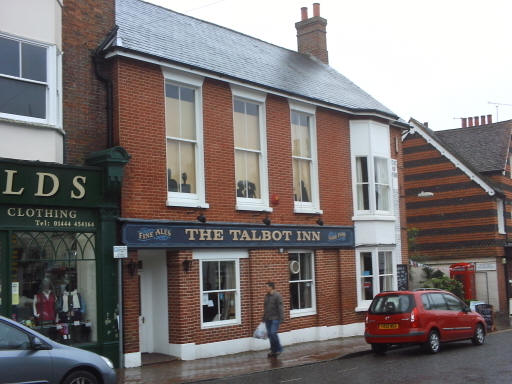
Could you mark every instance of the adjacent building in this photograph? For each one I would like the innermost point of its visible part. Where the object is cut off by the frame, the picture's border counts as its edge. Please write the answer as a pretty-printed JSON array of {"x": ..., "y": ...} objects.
[
  {"x": 58, "y": 216},
  {"x": 250, "y": 163},
  {"x": 458, "y": 186}
]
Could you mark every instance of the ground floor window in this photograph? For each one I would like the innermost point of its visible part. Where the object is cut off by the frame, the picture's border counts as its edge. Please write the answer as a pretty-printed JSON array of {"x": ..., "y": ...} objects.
[
  {"x": 376, "y": 272},
  {"x": 302, "y": 283},
  {"x": 220, "y": 286},
  {"x": 53, "y": 284}
]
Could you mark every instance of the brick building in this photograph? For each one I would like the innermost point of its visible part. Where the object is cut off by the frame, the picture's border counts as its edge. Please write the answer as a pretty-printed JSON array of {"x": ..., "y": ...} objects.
[
  {"x": 458, "y": 187},
  {"x": 250, "y": 163}
]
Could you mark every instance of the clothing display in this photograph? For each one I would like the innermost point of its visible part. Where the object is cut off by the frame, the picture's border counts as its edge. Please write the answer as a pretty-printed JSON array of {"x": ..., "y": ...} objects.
[{"x": 44, "y": 304}]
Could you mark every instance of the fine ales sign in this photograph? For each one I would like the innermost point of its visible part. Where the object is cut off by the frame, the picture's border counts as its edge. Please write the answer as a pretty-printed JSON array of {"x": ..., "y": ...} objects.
[{"x": 179, "y": 235}]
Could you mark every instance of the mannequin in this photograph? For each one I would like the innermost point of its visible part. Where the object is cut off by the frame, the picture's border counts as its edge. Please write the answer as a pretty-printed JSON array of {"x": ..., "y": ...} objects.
[
  {"x": 44, "y": 303},
  {"x": 72, "y": 305}
]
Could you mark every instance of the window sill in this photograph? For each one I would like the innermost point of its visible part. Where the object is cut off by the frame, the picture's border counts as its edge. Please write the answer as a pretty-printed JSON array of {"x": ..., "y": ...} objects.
[
  {"x": 302, "y": 313},
  {"x": 220, "y": 324},
  {"x": 309, "y": 210},
  {"x": 373, "y": 217},
  {"x": 188, "y": 204},
  {"x": 35, "y": 123},
  {"x": 252, "y": 206}
]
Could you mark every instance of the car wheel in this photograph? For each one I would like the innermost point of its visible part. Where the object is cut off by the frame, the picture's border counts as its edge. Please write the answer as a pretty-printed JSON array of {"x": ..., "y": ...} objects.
[
  {"x": 80, "y": 377},
  {"x": 479, "y": 337},
  {"x": 433, "y": 344},
  {"x": 379, "y": 349}
]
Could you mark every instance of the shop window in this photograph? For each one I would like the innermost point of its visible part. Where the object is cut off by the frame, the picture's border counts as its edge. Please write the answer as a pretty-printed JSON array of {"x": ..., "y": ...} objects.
[
  {"x": 27, "y": 81},
  {"x": 53, "y": 279},
  {"x": 219, "y": 292},
  {"x": 302, "y": 283},
  {"x": 184, "y": 140},
  {"x": 376, "y": 270}
]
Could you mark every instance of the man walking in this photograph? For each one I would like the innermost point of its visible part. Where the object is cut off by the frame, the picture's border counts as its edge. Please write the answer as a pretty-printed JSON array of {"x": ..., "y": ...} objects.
[{"x": 273, "y": 316}]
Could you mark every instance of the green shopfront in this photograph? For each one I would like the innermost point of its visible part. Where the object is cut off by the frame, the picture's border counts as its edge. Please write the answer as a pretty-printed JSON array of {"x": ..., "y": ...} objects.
[{"x": 57, "y": 229}]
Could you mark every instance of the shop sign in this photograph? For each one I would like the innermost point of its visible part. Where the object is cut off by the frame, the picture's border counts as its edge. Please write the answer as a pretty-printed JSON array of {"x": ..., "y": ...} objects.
[
  {"x": 159, "y": 235},
  {"x": 485, "y": 266},
  {"x": 45, "y": 218},
  {"x": 25, "y": 183}
]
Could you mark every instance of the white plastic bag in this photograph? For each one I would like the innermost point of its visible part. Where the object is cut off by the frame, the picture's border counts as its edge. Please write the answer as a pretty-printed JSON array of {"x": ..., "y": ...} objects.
[{"x": 261, "y": 331}]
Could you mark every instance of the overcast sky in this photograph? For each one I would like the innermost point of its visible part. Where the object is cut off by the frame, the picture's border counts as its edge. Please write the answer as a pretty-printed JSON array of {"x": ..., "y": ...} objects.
[{"x": 433, "y": 60}]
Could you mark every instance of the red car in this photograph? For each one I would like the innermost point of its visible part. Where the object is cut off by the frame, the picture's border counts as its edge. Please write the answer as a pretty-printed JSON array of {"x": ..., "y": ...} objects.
[{"x": 426, "y": 317}]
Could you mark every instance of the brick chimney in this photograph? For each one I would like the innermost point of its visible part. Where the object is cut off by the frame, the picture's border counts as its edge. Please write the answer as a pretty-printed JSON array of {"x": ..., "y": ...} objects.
[{"x": 311, "y": 34}]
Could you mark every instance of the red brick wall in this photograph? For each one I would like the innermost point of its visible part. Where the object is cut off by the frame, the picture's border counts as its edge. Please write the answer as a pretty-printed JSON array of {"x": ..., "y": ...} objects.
[
  {"x": 131, "y": 310},
  {"x": 85, "y": 23}
]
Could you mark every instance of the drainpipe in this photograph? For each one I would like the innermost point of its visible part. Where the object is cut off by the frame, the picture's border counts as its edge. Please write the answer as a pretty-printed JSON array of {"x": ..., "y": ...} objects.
[{"x": 107, "y": 81}]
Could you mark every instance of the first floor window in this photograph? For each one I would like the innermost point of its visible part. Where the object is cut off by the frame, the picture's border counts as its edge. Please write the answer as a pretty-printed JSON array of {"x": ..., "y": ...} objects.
[
  {"x": 23, "y": 78},
  {"x": 302, "y": 283},
  {"x": 376, "y": 273},
  {"x": 219, "y": 290}
]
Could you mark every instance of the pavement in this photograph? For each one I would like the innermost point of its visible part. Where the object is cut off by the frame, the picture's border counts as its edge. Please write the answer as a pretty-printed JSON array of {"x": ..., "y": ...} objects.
[{"x": 179, "y": 371}]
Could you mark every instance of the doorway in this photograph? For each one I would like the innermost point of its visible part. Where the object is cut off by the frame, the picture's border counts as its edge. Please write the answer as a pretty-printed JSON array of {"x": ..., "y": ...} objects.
[{"x": 154, "y": 313}]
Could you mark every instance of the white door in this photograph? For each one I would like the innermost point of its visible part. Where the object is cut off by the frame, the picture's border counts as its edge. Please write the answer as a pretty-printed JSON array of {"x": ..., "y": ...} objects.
[
  {"x": 154, "y": 313},
  {"x": 482, "y": 287},
  {"x": 146, "y": 309}
]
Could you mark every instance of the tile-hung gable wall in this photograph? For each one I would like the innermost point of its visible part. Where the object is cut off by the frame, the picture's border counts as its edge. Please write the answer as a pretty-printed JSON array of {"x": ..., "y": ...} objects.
[{"x": 459, "y": 214}]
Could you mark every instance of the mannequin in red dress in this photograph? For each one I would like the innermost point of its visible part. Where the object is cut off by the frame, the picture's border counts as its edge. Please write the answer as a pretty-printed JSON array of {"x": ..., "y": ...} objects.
[{"x": 44, "y": 304}]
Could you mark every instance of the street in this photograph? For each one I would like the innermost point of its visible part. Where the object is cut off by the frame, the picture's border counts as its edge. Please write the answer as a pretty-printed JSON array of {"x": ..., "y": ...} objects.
[{"x": 459, "y": 362}]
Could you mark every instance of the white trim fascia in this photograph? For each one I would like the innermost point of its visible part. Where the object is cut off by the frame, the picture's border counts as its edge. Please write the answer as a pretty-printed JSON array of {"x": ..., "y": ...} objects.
[
  {"x": 215, "y": 254},
  {"x": 446, "y": 153},
  {"x": 165, "y": 64}
]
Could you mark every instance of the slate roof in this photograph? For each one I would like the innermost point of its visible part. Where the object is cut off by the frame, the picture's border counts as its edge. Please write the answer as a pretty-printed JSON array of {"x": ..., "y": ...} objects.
[
  {"x": 485, "y": 147},
  {"x": 161, "y": 33}
]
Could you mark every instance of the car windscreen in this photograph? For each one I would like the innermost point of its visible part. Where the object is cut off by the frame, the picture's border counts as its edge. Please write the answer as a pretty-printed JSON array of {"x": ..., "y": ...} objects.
[{"x": 392, "y": 304}]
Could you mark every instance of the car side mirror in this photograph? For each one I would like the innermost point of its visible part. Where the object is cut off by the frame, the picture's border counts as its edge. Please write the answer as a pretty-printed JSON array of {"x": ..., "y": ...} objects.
[{"x": 37, "y": 344}]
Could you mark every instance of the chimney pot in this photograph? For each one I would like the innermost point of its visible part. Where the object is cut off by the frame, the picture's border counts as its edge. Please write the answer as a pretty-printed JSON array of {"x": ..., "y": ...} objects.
[
  {"x": 304, "y": 13},
  {"x": 482, "y": 120},
  {"x": 425, "y": 124},
  {"x": 316, "y": 9},
  {"x": 464, "y": 122},
  {"x": 477, "y": 123},
  {"x": 470, "y": 121},
  {"x": 489, "y": 119}
]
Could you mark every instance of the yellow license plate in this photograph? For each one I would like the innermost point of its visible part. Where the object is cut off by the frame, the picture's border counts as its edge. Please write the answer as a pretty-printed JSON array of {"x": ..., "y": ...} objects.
[{"x": 388, "y": 326}]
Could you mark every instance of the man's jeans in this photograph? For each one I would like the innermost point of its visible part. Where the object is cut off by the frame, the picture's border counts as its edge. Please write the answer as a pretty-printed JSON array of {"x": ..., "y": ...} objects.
[{"x": 272, "y": 328}]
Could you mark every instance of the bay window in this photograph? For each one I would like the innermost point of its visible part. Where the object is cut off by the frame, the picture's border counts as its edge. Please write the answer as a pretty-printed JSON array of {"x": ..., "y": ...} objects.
[
  {"x": 28, "y": 81},
  {"x": 376, "y": 272},
  {"x": 183, "y": 126},
  {"x": 371, "y": 168}
]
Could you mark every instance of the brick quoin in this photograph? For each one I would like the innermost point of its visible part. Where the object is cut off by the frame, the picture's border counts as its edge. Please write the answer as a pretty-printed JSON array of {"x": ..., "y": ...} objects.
[{"x": 139, "y": 120}]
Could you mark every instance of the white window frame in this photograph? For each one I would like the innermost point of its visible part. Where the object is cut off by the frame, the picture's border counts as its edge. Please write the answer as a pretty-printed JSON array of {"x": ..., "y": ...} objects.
[
  {"x": 370, "y": 153},
  {"x": 500, "y": 211},
  {"x": 198, "y": 199},
  {"x": 221, "y": 255},
  {"x": 363, "y": 305},
  {"x": 314, "y": 205},
  {"x": 53, "y": 85},
  {"x": 249, "y": 95},
  {"x": 305, "y": 311}
]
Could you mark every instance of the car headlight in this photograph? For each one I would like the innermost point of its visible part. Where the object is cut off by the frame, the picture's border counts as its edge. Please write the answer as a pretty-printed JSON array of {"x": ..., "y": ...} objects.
[{"x": 108, "y": 362}]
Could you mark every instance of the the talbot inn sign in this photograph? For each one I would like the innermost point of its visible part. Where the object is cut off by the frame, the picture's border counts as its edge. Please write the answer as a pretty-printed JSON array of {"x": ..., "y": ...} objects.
[{"x": 182, "y": 235}]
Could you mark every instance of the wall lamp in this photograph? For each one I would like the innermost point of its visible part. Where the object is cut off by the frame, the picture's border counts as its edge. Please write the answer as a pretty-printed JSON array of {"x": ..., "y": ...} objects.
[
  {"x": 132, "y": 266},
  {"x": 320, "y": 221},
  {"x": 187, "y": 264},
  {"x": 267, "y": 221},
  {"x": 201, "y": 218}
]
